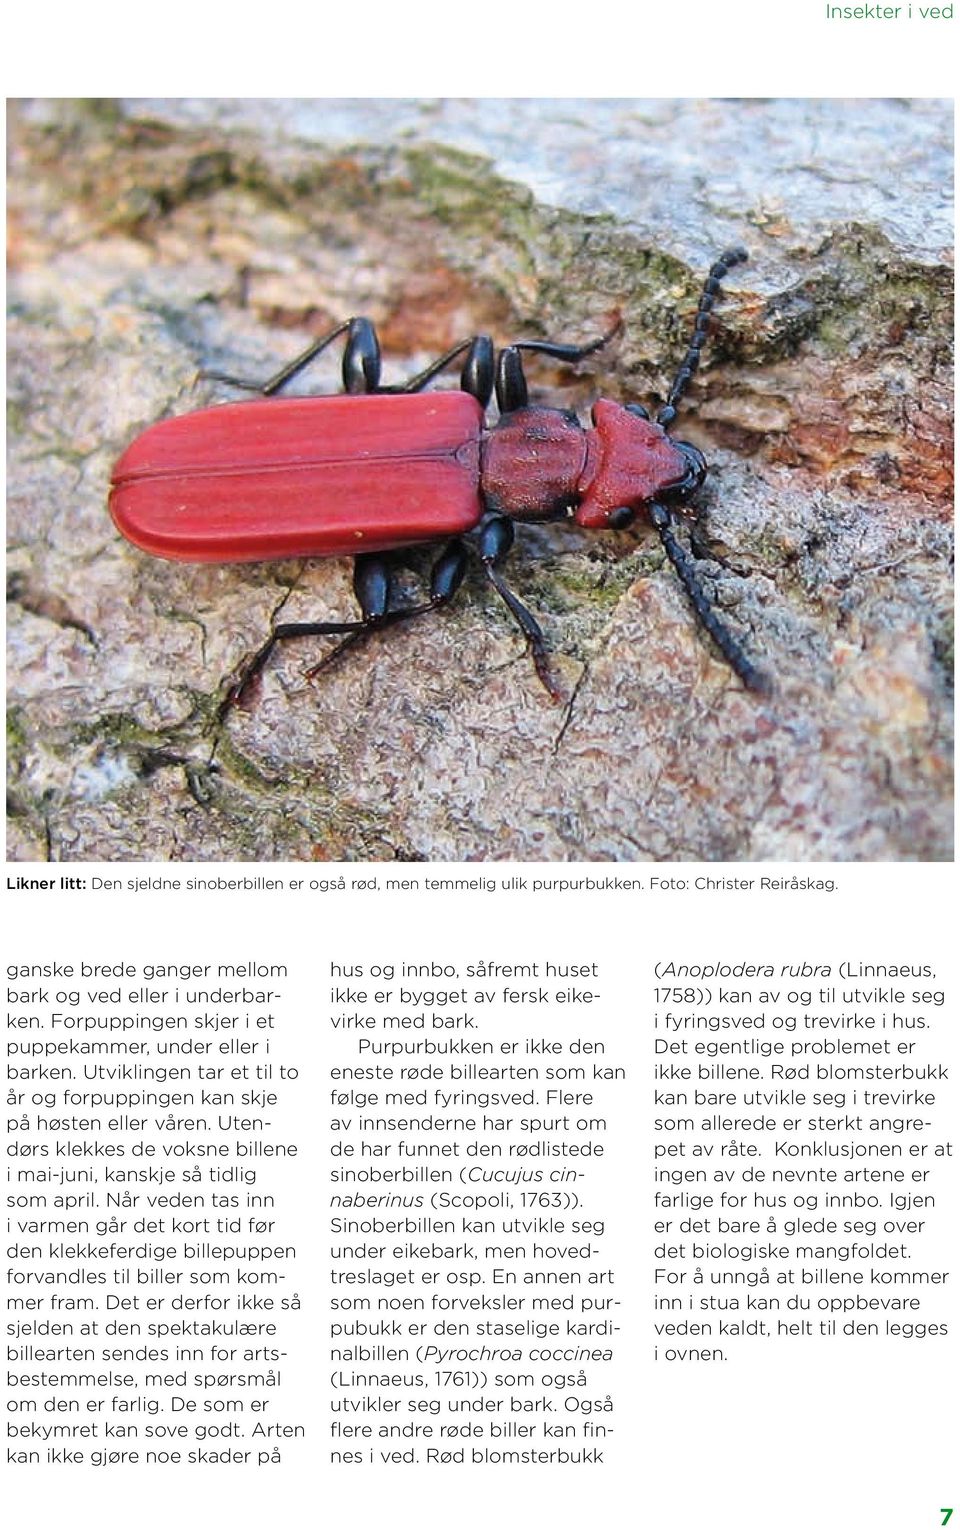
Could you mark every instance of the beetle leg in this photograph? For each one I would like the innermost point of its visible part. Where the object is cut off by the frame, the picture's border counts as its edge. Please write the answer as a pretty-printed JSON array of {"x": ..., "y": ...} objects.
[
  {"x": 447, "y": 573},
  {"x": 360, "y": 368},
  {"x": 561, "y": 351},
  {"x": 372, "y": 585},
  {"x": 239, "y": 689},
  {"x": 360, "y": 629},
  {"x": 446, "y": 578},
  {"x": 476, "y": 375},
  {"x": 753, "y": 678},
  {"x": 361, "y": 358},
  {"x": 495, "y": 534},
  {"x": 511, "y": 382},
  {"x": 292, "y": 368}
]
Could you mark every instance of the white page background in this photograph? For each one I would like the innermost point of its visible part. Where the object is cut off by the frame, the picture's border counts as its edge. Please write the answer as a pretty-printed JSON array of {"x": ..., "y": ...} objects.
[{"x": 840, "y": 1435}]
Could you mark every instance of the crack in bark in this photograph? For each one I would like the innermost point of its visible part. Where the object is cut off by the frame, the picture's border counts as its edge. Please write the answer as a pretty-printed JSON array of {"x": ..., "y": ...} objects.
[
  {"x": 51, "y": 608},
  {"x": 568, "y": 718}
]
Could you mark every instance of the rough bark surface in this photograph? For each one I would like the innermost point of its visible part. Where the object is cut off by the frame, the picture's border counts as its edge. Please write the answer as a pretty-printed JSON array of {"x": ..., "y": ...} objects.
[{"x": 150, "y": 239}]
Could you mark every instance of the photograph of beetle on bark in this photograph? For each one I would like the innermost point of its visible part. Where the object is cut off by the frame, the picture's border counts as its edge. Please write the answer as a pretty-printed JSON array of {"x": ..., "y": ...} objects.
[{"x": 712, "y": 622}]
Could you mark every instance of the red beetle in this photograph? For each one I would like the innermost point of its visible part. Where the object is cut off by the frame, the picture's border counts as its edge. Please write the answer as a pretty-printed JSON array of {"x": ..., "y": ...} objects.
[{"x": 383, "y": 468}]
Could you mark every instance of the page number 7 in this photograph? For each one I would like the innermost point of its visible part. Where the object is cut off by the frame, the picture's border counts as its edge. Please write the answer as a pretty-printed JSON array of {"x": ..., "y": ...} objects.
[{"x": 946, "y": 1516}]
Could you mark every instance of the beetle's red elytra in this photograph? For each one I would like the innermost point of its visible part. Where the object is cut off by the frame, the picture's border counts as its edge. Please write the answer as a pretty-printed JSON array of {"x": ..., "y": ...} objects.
[
  {"x": 378, "y": 469},
  {"x": 302, "y": 477}
]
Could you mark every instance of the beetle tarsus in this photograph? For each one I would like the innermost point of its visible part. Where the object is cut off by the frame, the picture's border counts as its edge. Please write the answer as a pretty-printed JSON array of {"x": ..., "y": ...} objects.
[
  {"x": 541, "y": 664},
  {"x": 245, "y": 677}
]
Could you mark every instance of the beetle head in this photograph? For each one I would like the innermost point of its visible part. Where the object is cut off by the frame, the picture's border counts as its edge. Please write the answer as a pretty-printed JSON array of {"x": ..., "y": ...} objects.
[
  {"x": 694, "y": 460},
  {"x": 696, "y": 472},
  {"x": 632, "y": 462}
]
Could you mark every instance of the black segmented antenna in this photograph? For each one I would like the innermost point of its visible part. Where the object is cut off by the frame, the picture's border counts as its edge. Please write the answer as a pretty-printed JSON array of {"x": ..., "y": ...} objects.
[
  {"x": 731, "y": 648},
  {"x": 701, "y": 325}
]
